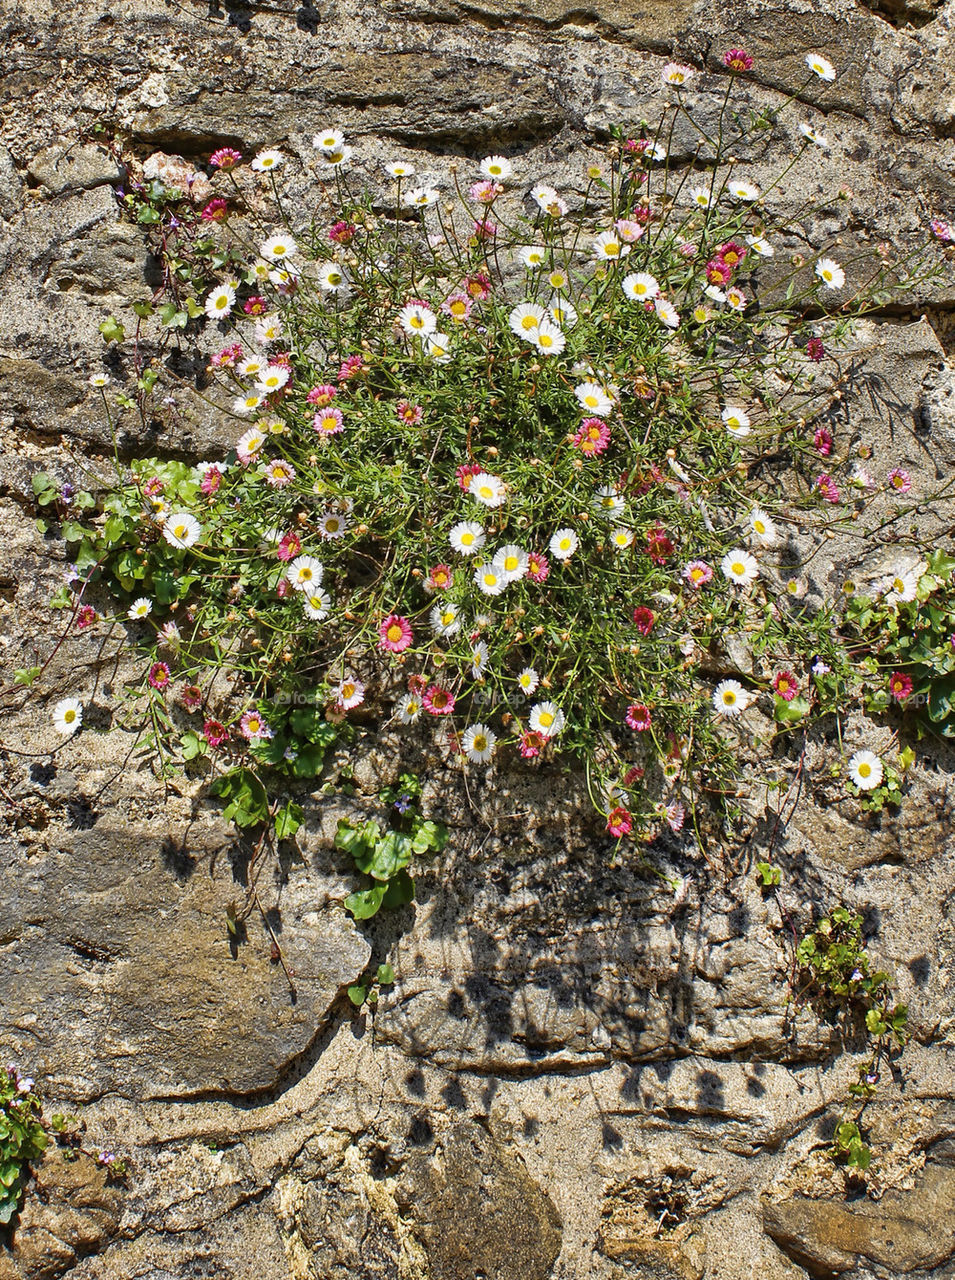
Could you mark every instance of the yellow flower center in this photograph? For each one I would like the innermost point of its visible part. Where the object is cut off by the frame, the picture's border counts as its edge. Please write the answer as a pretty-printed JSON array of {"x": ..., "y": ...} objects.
[
  {"x": 528, "y": 323},
  {"x": 546, "y": 719},
  {"x": 864, "y": 769},
  {"x": 348, "y": 690},
  {"x": 69, "y": 716},
  {"x": 729, "y": 698},
  {"x": 739, "y": 568},
  {"x": 394, "y": 632}
]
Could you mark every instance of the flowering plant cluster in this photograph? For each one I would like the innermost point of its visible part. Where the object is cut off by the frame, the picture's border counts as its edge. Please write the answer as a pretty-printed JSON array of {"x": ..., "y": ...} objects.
[
  {"x": 22, "y": 1137},
  {"x": 504, "y": 471}
]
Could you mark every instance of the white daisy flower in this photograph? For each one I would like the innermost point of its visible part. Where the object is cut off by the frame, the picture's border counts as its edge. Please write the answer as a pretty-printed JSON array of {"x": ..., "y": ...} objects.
[
  {"x": 563, "y": 314},
  {"x": 99, "y": 379},
  {"x": 533, "y": 255},
  {"x": 416, "y": 320},
  {"x": 594, "y": 399},
  {"x": 548, "y": 201},
  {"x": 762, "y": 528},
  {"x": 739, "y": 567},
  {"x": 736, "y": 299},
  {"x": 701, "y": 197},
  {"x": 181, "y": 529},
  {"x": 529, "y": 680},
  {"x": 272, "y": 379},
  {"x": 437, "y": 346},
  {"x": 487, "y": 489},
  {"x": 902, "y": 587},
  {"x": 830, "y": 273},
  {"x": 675, "y": 73},
  {"x": 420, "y": 197},
  {"x": 640, "y": 286},
  {"x": 745, "y": 192},
  {"x": 497, "y": 168},
  {"x": 478, "y": 742},
  {"x": 409, "y": 709},
  {"x": 265, "y": 161},
  {"x": 340, "y": 156},
  {"x": 249, "y": 445},
  {"x": 607, "y": 502},
  {"x": 279, "y": 245},
  {"x": 760, "y": 245},
  {"x": 316, "y": 602},
  {"x": 251, "y": 366},
  {"x": 730, "y": 698},
  {"x": 548, "y": 339},
  {"x": 328, "y": 140},
  {"x": 305, "y": 573},
  {"x": 399, "y": 169},
  {"x": 490, "y": 579},
  {"x": 809, "y": 133},
  {"x": 736, "y": 422},
  {"x": 244, "y": 405},
  {"x": 525, "y": 319},
  {"x": 267, "y": 329},
  {"x": 478, "y": 659},
  {"x": 667, "y": 313},
  {"x": 865, "y": 770},
  {"x": 563, "y": 544},
  {"x": 608, "y": 247},
  {"x": 621, "y": 538},
  {"x": 512, "y": 561},
  {"x": 220, "y": 302},
  {"x": 258, "y": 271},
  {"x": 444, "y": 620},
  {"x": 332, "y": 524},
  {"x": 140, "y": 608},
  {"x": 349, "y": 693},
  {"x": 67, "y": 716},
  {"x": 467, "y": 537},
  {"x": 822, "y": 67},
  {"x": 547, "y": 719},
  {"x": 332, "y": 278},
  {"x": 558, "y": 279},
  {"x": 714, "y": 293}
]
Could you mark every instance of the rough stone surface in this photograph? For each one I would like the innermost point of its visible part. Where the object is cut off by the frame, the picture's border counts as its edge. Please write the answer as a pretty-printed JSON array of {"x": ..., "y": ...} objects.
[{"x": 576, "y": 1073}]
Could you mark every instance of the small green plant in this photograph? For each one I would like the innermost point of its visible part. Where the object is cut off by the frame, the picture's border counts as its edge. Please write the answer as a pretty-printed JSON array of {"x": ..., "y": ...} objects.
[
  {"x": 834, "y": 975},
  {"x": 22, "y": 1137},
  {"x": 367, "y": 989},
  {"x": 385, "y": 855}
]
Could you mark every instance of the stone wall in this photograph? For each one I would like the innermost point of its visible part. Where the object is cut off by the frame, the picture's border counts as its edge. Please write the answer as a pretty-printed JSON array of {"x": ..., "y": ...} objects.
[{"x": 574, "y": 1075}]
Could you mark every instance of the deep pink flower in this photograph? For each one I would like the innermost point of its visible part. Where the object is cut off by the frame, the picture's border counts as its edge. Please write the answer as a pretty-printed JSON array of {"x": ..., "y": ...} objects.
[
  {"x": 478, "y": 286},
  {"x": 328, "y": 422},
  {"x": 255, "y": 306},
  {"x": 942, "y": 230},
  {"x": 342, "y": 233},
  {"x": 826, "y": 488},
  {"x": 152, "y": 486},
  {"x": 409, "y": 413},
  {"x": 737, "y": 60},
  {"x": 395, "y": 634},
  {"x": 484, "y": 229},
  {"x": 644, "y": 619},
  {"x": 732, "y": 253},
  {"x": 464, "y": 473},
  {"x": 815, "y": 349},
  {"x": 290, "y": 546},
  {"x": 85, "y": 617},
  {"x": 531, "y": 743},
  {"x": 225, "y": 158},
  {"x": 900, "y": 480},
  {"x": 538, "y": 566},
  {"x": 159, "y": 676},
  {"x": 659, "y": 545},
  {"x": 593, "y": 436},
  {"x": 619, "y": 822},
  {"x": 351, "y": 367},
  {"x": 215, "y": 211},
  {"x": 718, "y": 272},
  {"x": 822, "y": 442},
  {"x": 437, "y": 700},
  {"x": 322, "y": 395},
  {"x": 211, "y": 479},
  {"x": 191, "y": 697},
  {"x": 228, "y": 356},
  {"x": 253, "y": 727},
  {"x": 900, "y": 686},
  {"x": 440, "y": 577},
  {"x": 215, "y": 733},
  {"x": 786, "y": 685},
  {"x": 638, "y": 717},
  {"x": 282, "y": 588}
]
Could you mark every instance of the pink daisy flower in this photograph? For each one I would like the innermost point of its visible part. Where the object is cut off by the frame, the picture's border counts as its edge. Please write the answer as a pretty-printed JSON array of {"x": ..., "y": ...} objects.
[
  {"x": 409, "y": 413},
  {"x": 697, "y": 573},
  {"x": 531, "y": 743},
  {"x": 152, "y": 486},
  {"x": 659, "y": 546},
  {"x": 159, "y": 676},
  {"x": 395, "y": 634},
  {"x": 593, "y": 436},
  {"x": 85, "y": 617},
  {"x": 191, "y": 697},
  {"x": 440, "y": 577},
  {"x": 644, "y": 619},
  {"x": 485, "y": 192},
  {"x": 731, "y": 253},
  {"x": 322, "y": 396},
  {"x": 437, "y": 700},
  {"x": 457, "y": 306},
  {"x": 215, "y": 733},
  {"x": 348, "y": 693},
  {"x": 538, "y": 566},
  {"x": 225, "y": 158},
  {"x": 351, "y": 367},
  {"x": 328, "y": 422},
  {"x": 900, "y": 686},
  {"x": 253, "y": 727},
  {"x": 718, "y": 273},
  {"x": 484, "y": 229},
  {"x": 786, "y": 685},
  {"x": 822, "y": 442},
  {"x": 900, "y": 480},
  {"x": 638, "y": 717},
  {"x": 478, "y": 286},
  {"x": 737, "y": 60},
  {"x": 279, "y": 473},
  {"x": 215, "y": 211},
  {"x": 465, "y": 472},
  {"x": 619, "y": 822},
  {"x": 342, "y": 232},
  {"x": 228, "y": 356},
  {"x": 290, "y": 546},
  {"x": 826, "y": 488},
  {"x": 815, "y": 349}
]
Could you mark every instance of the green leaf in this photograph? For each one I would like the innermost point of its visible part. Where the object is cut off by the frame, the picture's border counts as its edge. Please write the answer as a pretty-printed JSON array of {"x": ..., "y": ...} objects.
[
  {"x": 357, "y": 995},
  {"x": 941, "y": 563},
  {"x": 143, "y": 309},
  {"x": 309, "y": 762},
  {"x": 399, "y": 892},
  {"x": 191, "y": 746},
  {"x": 385, "y": 975},
  {"x": 358, "y": 841},
  {"x": 111, "y": 329},
  {"x": 365, "y": 904},
  {"x": 288, "y": 819},
  {"x": 940, "y": 698},
  {"x": 26, "y": 675},
  {"x": 771, "y": 875},
  {"x": 790, "y": 712},
  {"x": 387, "y": 857},
  {"x": 42, "y": 482}
]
